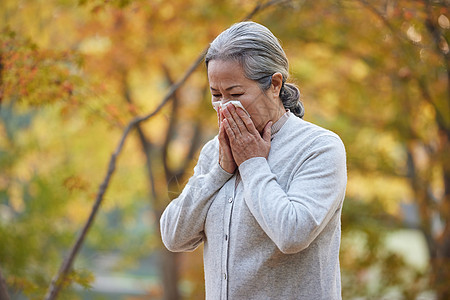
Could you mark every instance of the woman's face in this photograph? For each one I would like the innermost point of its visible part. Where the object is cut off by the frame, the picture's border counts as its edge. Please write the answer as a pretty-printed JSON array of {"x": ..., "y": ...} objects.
[{"x": 228, "y": 82}]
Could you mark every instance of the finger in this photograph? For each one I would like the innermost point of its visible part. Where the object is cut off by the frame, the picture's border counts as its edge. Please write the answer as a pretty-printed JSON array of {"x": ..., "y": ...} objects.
[
  {"x": 219, "y": 116},
  {"x": 221, "y": 131},
  {"x": 225, "y": 154},
  {"x": 247, "y": 121},
  {"x": 231, "y": 120},
  {"x": 222, "y": 134},
  {"x": 238, "y": 118},
  {"x": 224, "y": 142},
  {"x": 228, "y": 129}
]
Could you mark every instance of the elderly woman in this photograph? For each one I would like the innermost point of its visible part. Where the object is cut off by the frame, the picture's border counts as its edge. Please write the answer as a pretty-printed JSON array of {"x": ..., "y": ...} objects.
[{"x": 267, "y": 192}]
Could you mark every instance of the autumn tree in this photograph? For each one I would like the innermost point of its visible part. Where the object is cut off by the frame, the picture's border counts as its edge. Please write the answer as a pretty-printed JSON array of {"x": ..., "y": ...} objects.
[
  {"x": 74, "y": 76},
  {"x": 120, "y": 46},
  {"x": 377, "y": 73}
]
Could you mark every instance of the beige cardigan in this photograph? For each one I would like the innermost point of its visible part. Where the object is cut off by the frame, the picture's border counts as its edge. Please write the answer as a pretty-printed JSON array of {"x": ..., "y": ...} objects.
[{"x": 276, "y": 235}]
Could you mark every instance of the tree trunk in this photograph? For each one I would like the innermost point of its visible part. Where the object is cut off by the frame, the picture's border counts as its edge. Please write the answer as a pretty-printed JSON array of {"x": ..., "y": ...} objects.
[
  {"x": 169, "y": 267},
  {"x": 3, "y": 289},
  {"x": 442, "y": 271}
]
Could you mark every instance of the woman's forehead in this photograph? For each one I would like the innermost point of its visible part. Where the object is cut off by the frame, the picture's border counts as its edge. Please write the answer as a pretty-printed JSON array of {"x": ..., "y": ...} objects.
[
  {"x": 224, "y": 67},
  {"x": 226, "y": 74}
]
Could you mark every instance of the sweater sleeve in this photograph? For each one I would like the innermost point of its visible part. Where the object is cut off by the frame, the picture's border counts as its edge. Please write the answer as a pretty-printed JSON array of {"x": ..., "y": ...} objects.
[
  {"x": 294, "y": 217},
  {"x": 182, "y": 222}
]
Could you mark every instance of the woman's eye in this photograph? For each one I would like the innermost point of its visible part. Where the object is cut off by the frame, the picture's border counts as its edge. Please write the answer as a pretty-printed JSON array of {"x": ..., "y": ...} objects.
[
  {"x": 236, "y": 95},
  {"x": 216, "y": 96}
]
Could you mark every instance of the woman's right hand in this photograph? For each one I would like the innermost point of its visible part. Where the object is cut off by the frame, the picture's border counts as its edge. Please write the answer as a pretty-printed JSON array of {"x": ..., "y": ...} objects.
[{"x": 226, "y": 159}]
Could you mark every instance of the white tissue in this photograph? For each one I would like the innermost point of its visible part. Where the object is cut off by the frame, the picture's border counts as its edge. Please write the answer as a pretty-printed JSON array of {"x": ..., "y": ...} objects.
[
  {"x": 217, "y": 104},
  {"x": 236, "y": 104}
]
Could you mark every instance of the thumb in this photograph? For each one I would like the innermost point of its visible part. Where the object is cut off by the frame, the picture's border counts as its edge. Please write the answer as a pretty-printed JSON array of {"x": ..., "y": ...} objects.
[{"x": 267, "y": 133}]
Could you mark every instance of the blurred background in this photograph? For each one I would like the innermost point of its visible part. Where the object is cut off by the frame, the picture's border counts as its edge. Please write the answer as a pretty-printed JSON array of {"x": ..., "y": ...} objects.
[{"x": 74, "y": 73}]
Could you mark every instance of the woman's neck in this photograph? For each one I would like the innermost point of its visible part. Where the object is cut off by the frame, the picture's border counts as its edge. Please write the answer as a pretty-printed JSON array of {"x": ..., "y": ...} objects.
[{"x": 276, "y": 112}]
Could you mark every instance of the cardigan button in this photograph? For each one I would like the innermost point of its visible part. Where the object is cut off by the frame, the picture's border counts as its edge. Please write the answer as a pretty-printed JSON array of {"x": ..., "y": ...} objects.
[{"x": 230, "y": 200}]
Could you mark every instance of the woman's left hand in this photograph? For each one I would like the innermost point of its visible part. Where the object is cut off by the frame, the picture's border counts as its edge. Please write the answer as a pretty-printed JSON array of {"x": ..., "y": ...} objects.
[{"x": 245, "y": 140}]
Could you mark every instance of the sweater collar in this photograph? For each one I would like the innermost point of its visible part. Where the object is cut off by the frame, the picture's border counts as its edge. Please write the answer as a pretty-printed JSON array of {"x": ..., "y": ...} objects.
[{"x": 278, "y": 124}]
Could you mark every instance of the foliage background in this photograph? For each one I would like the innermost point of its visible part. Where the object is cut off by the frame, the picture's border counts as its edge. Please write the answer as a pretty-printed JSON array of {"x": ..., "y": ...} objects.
[{"x": 74, "y": 73}]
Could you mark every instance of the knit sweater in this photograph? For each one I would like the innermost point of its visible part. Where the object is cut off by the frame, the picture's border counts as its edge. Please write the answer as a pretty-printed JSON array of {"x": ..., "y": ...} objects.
[{"x": 276, "y": 234}]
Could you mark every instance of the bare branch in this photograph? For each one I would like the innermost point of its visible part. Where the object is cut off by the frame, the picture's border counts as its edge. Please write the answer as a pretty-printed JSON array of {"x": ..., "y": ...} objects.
[
  {"x": 437, "y": 35},
  {"x": 426, "y": 95},
  {"x": 170, "y": 128},
  {"x": 195, "y": 144},
  {"x": 261, "y": 6},
  {"x": 145, "y": 143},
  {"x": 1, "y": 79},
  {"x": 146, "y": 148}
]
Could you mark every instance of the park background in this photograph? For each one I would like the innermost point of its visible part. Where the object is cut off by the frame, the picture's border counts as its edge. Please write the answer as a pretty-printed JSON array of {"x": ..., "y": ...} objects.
[{"x": 104, "y": 106}]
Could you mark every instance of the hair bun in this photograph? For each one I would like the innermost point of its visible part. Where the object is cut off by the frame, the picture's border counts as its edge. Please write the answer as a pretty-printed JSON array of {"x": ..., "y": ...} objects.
[{"x": 290, "y": 96}]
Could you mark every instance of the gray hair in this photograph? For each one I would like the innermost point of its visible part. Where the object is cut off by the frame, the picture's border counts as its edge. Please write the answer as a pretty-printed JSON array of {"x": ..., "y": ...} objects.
[{"x": 260, "y": 54}]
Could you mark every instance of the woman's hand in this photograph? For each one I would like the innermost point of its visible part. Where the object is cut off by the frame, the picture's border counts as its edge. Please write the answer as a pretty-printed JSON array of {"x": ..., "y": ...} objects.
[
  {"x": 226, "y": 159},
  {"x": 243, "y": 138}
]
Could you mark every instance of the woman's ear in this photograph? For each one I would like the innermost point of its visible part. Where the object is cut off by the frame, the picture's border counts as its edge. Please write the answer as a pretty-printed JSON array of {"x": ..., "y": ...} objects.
[{"x": 277, "y": 83}]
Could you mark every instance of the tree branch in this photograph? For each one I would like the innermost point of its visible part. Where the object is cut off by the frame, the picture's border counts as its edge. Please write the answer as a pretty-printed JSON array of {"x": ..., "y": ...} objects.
[
  {"x": 435, "y": 32},
  {"x": 195, "y": 143},
  {"x": 1, "y": 80},
  {"x": 440, "y": 119},
  {"x": 170, "y": 128},
  {"x": 145, "y": 143}
]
